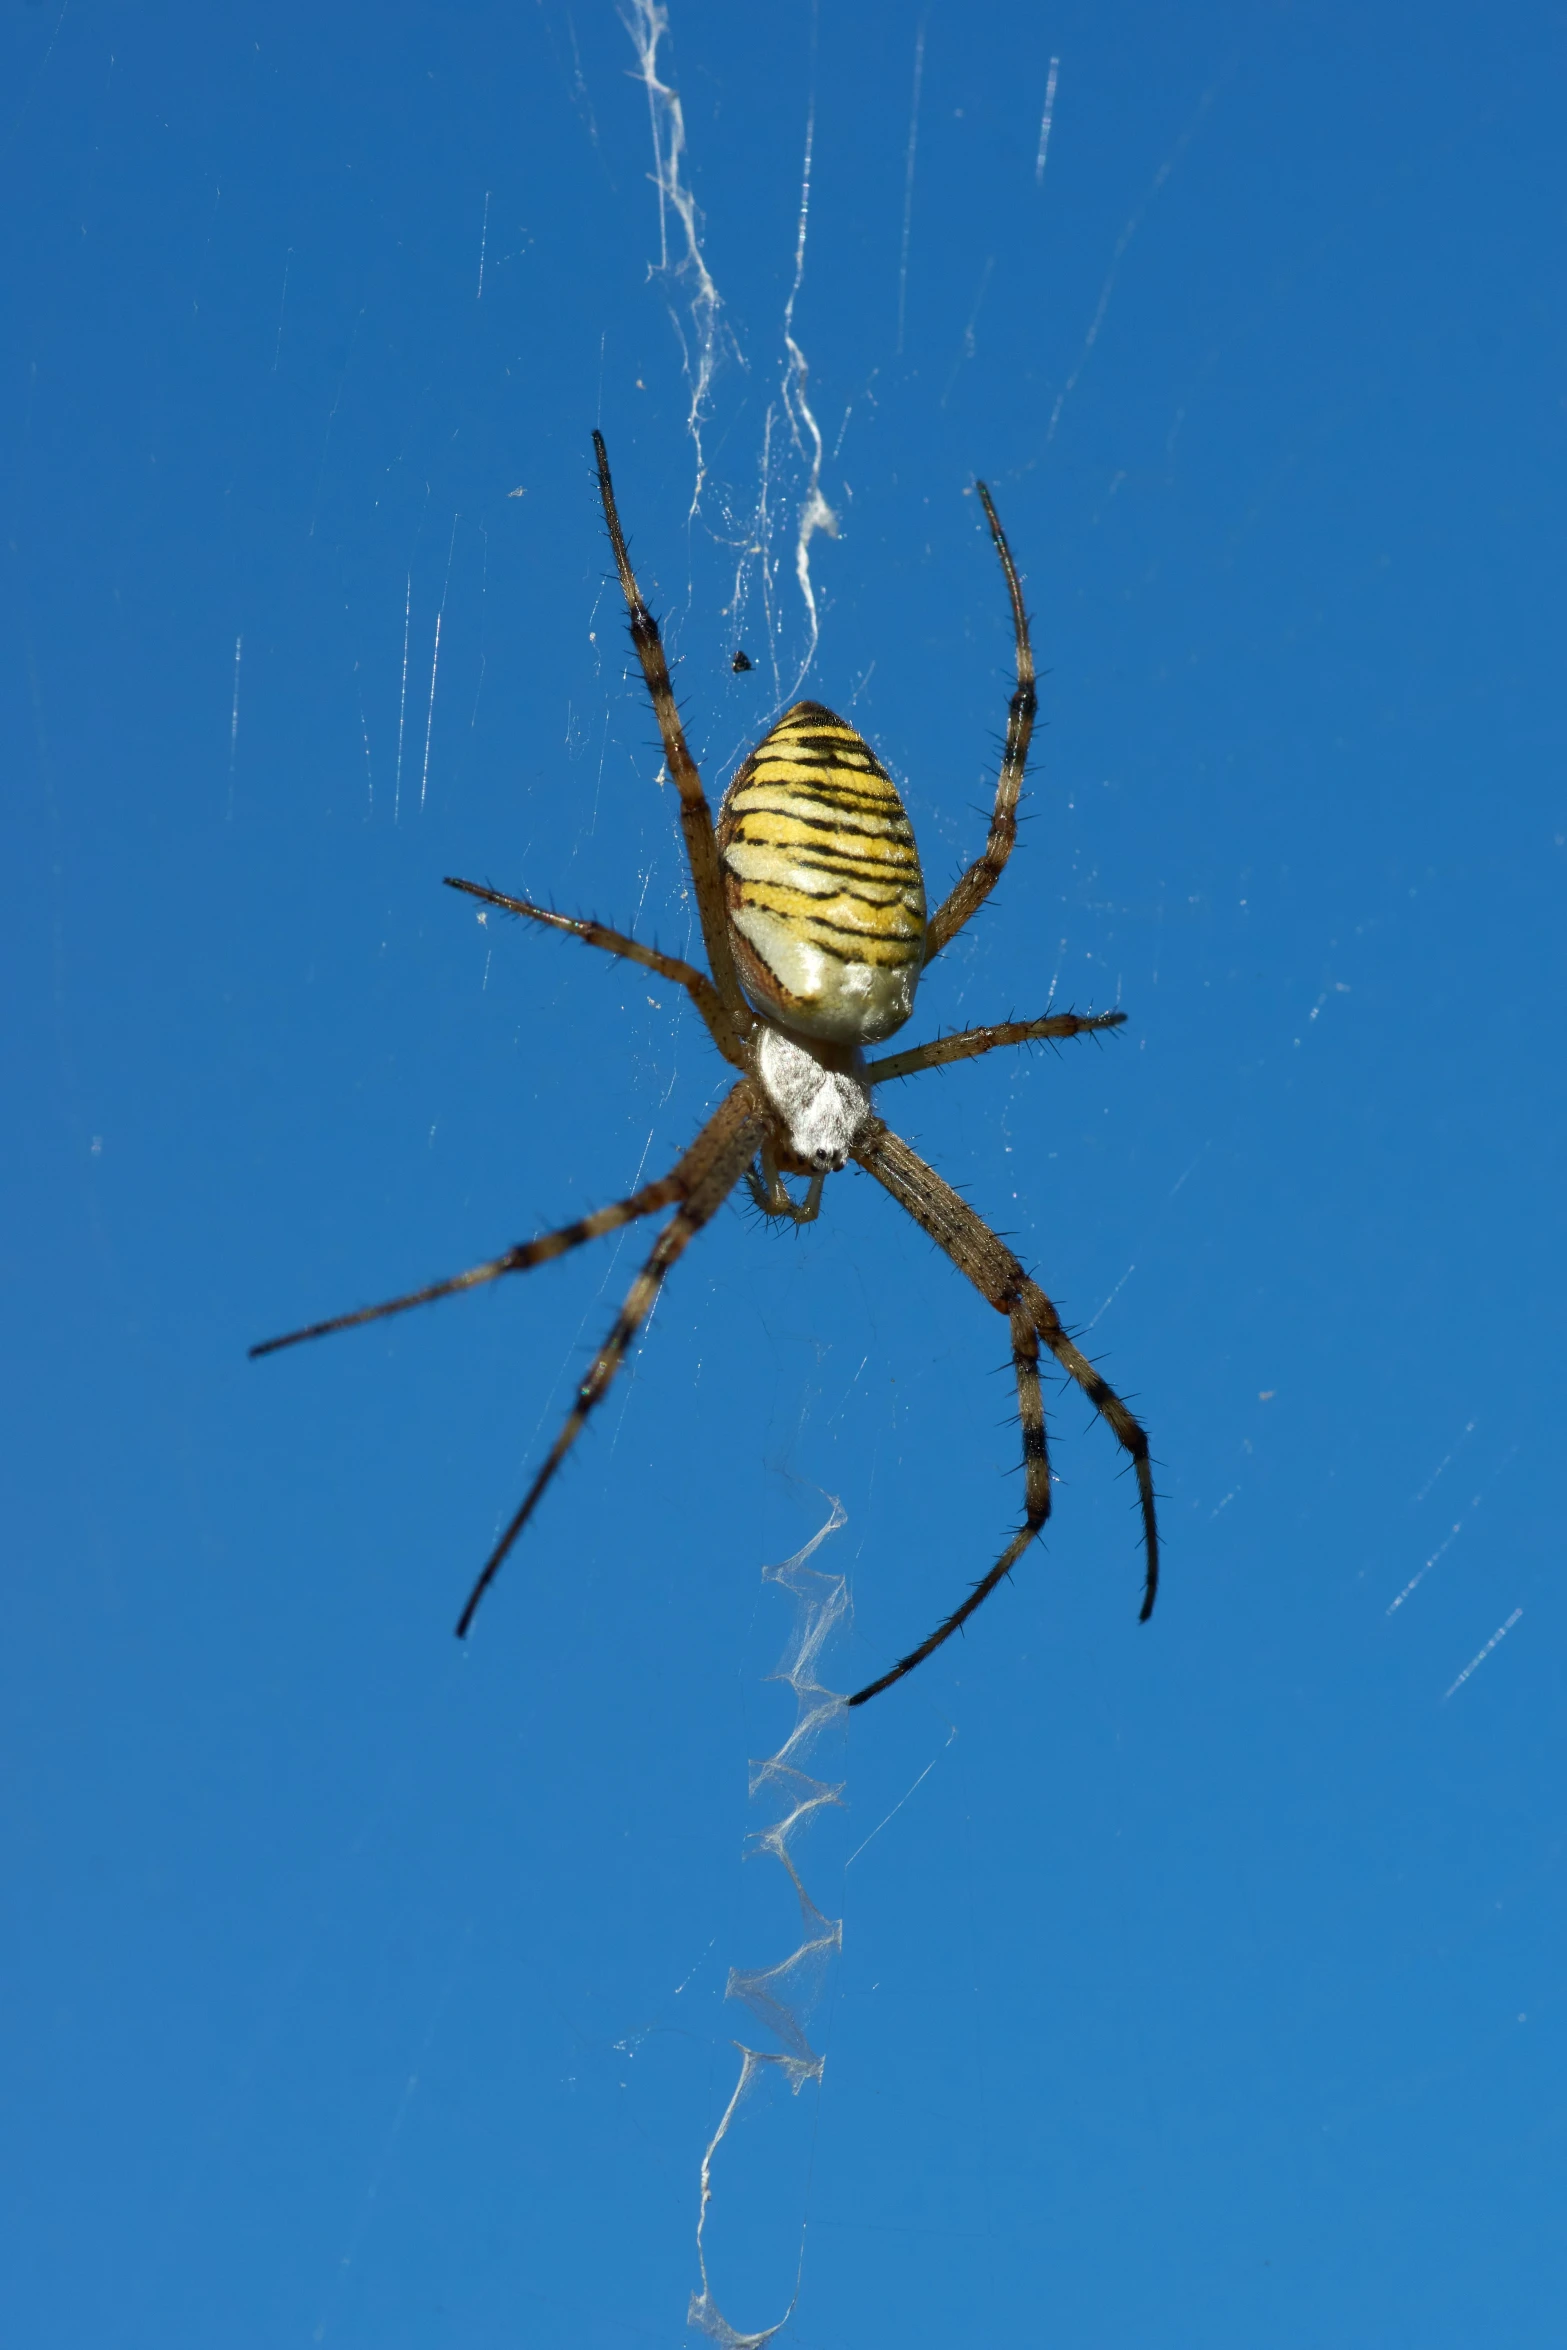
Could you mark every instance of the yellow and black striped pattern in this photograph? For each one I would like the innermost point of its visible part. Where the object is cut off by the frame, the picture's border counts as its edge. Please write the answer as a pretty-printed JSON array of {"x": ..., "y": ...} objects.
[{"x": 822, "y": 880}]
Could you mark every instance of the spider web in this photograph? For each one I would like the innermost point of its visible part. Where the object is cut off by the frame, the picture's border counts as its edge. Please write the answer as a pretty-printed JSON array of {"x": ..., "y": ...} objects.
[
  {"x": 784, "y": 1996},
  {"x": 362, "y": 1980},
  {"x": 771, "y": 542},
  {"x": 774, "y": 533},
  {"x": 789, "y": 509}
]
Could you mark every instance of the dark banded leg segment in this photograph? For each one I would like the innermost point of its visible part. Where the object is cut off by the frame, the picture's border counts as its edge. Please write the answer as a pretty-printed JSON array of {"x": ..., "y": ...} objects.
[
  {"x": 1036, "y": 1490},
  {"x": 516, "y": 1260},
  {"x": 696, "y": 818},
  {"x": 969, "y": 1042},
  {"x": 987, "y": 869},
  {"x": 683, "y": 1177},
  {"x": 1127, "y": 1430},
  {"x": 999, "y": 1277},
  {"x": 615, "y": 942},
  {"x": 729, "y": 1155}
]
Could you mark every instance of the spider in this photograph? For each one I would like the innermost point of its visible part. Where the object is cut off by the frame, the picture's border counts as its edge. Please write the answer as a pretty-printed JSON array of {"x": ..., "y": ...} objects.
[{"x": 812, "y": 908}]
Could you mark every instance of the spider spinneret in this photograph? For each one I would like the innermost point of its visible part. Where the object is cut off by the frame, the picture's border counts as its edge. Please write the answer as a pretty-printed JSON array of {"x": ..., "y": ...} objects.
[{"x": 812, "y": 908}]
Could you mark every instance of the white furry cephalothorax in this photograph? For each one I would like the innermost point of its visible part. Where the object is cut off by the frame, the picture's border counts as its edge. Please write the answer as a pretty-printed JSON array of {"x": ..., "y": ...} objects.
[{"x": 825, "y": 1111}]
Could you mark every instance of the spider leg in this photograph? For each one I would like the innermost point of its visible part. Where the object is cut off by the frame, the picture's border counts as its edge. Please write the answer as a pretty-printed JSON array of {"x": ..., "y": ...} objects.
[
  {"x": 969, "y": 1041},
  {"x": 771, "y": 1193},
  {"x": 1124, "y": 1426},
  {"x": 686, "y": 1173},
  {"x": 977, "y": 883},
  {"x": 696, "y": 983},
  {"x": 696, "y": 819},
  {"x": 999, "y": 1277},
  {"x": 1036, "y": 1509},
  {"x": 731, "y": 1141}
]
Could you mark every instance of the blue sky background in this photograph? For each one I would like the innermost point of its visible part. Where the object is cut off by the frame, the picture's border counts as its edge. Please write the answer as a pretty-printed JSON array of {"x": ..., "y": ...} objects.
[{"x": 1206, "y": 1988}]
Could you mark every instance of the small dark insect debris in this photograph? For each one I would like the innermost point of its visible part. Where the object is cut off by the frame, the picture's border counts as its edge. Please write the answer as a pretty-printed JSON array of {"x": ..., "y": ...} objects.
[{"x": 740, "y": 661}]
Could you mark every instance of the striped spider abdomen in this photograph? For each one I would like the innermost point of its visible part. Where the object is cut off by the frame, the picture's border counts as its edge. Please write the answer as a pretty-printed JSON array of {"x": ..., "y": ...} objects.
[{"x": 822, "y": 882}]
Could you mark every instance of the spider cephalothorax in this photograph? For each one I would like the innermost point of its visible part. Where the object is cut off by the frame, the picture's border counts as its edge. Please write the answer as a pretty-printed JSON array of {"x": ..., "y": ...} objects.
[{"x": 812, "y": 909}]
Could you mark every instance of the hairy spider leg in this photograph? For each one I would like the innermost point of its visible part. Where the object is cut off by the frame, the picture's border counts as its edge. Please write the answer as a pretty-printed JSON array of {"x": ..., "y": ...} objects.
[
  {"x": 771, "y": 1193},
  {"x": 967, "y": 1042},
  {"x": 647, "y": 1202},
  {"x": 696, "y": 983},
  {"x": 1036, "y": 1502},
  {"x": 682, "y": 1178},
  {"x": 1000, "y": 1279},
  {"x": 981, "y": 878},
  {"x": 1126, "y": 1428},
  {"x": 731, "y": 1139},
  {"x": 696, "y": 818}
]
